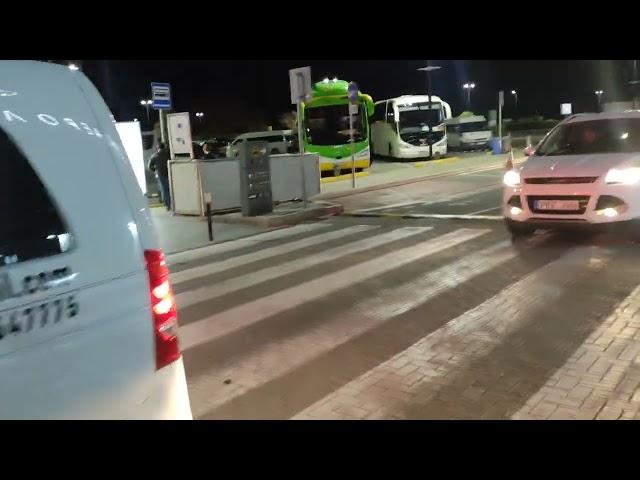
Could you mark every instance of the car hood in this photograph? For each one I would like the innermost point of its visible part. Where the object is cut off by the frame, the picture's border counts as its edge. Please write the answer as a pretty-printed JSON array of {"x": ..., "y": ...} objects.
[{"x": 577, "y": 165}]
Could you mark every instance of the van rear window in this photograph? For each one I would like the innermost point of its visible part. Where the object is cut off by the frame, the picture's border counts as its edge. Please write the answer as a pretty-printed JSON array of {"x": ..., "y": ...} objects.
[{"x": 31, "y": 226}]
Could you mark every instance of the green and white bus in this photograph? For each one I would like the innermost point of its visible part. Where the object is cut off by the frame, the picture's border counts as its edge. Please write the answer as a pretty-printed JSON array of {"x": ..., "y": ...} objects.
[{"x": 326, "y": 127}]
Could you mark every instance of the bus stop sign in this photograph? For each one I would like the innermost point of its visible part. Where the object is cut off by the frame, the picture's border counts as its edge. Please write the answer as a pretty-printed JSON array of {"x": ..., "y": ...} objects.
[{"x": 352, "y": 91}]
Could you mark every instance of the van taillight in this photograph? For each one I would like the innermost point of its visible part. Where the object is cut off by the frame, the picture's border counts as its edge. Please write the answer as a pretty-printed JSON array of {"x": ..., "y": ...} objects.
[{"x": 163, "y": 307}]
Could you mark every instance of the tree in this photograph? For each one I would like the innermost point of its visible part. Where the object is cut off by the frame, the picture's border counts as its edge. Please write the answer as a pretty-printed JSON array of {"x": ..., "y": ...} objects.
[{"x": 288, "y": 120}]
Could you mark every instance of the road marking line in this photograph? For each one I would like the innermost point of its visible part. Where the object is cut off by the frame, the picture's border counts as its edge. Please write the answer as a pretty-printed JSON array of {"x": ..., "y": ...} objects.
[
  {"x": 197, "y": 253},
  {"x": 274, "y": 359},
  {"x": 215, "y": 267},
  {"x": 228, "y": 321},
  {"x": 485, "y": 210},
  {"x": 482, "y": 329},
  {"x": 456, "y": 196},
  {"x": 209, "y": 292},
  {"x": 426, "y": 215}
]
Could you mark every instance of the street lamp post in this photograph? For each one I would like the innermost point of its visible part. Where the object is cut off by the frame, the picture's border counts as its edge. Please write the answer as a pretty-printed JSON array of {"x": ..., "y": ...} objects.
[
  {"x": 146, "y": 104},
  {"x": 199, "y": 115},
  {"x": 599, "y": 95},
  {"x": 468, "y": 87},
  {"x": 429, "y": 69},
  {"x": 515, "y": 95}
]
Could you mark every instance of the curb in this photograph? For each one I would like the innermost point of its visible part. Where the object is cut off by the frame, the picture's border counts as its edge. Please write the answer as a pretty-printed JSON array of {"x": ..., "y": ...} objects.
[
  {"x": 382, "y": 186},
  {"x": 342, "y": 178},
  {"x": 270, "y": 221}
]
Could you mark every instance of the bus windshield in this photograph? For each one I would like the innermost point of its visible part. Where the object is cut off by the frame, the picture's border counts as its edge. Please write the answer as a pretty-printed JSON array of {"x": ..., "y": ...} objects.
[
  {"x": 329, "y": 125},
  {"x": 418, "y": 117}
]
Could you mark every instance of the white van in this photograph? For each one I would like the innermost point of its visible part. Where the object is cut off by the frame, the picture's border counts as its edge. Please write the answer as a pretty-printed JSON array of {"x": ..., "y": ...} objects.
[
  {"x": 468, "y": 133},
  {"x": 280, "y": 141},
  {"x": 88, "y": 324}
]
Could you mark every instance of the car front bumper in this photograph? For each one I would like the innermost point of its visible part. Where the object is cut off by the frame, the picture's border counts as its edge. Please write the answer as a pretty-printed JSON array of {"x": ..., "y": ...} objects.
[{"x": 594, "y": 199}]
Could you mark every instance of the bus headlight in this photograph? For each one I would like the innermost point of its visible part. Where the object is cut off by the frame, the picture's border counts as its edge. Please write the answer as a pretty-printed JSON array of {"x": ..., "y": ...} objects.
[
  {"x": 624, "y": 176},
  {"x": 511, "y": 178}
]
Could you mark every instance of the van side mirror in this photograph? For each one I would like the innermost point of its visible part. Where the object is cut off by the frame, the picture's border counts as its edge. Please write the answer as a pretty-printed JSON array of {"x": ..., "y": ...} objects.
[{"x": 529, "y": 150}]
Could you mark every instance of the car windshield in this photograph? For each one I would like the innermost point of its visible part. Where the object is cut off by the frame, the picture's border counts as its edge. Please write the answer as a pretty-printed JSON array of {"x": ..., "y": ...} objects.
[
  {"x": 419, "y": 117},
  {"x": 329, "y": 125},
  {"x": 619, "y": 135},
  {"x": 473, "y": 127}
]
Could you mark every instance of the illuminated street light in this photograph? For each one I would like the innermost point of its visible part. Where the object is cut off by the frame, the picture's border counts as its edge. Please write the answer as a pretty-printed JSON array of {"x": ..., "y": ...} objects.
[
  {"x": 199, "y": 115},
  {"x": 146, "y": 104},
  {"x": 74, "y": 67},
  {"x": 468, "y": 87},
  {"x": 599, "y": 95}
]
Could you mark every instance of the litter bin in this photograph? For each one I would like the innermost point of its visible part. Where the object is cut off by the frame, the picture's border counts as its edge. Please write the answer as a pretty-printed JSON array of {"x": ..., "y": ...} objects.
[{"x": 494, "y": 143}]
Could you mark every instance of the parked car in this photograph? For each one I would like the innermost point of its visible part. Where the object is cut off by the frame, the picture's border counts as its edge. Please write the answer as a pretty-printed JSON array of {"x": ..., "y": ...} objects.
[
  {"x": 88, "y": 322},
  {"x": 584, "y": 173},
  {"x": 278, "y": 142},
  {"x": 468, "y": 133}
]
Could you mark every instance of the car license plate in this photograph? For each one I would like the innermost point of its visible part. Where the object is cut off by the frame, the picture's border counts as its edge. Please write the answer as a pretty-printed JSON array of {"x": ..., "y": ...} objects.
[{"x": 557, "y": 205}]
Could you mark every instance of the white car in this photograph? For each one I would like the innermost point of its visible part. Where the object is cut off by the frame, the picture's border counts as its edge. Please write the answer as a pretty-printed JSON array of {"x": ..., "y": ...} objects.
[
  {"x": 88, "y": 324},
  {"x": 585, "y": 172}
]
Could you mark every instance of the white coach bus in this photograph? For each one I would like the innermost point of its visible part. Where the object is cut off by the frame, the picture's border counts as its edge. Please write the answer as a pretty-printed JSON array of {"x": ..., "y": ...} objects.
[{"x": 402, "y": 127}]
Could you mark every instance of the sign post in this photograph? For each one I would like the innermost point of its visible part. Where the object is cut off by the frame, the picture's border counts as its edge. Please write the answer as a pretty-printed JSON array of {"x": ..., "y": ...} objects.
[
  {"x": 500, "y": 105},
  {"x": 300, "y": 85},
  {"x": 352, "y": 91},
  {"x": 161, "y": 98}
]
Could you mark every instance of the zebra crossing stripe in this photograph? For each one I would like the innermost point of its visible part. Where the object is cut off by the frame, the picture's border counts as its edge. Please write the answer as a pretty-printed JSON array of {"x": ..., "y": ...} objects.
[
  {"x": 197, "y": 253},
  {"x": 483, "y": 328},
  {"x": 223, "y": 323},
  {"x": 191, "y": 297},
  {"x": 215, "y": 267},
  {"x": 276, "y": 358}
]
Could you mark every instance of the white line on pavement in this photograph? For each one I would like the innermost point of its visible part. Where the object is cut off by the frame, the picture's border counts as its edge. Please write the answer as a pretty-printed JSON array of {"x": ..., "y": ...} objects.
[
  {"x": 485, "y": 210},
  {"x": 456, "y": 196},
  {"x": 208, "y": 292},
  {"x": 195, "y": 254},
  {"x": 223, "y": 323},
  {"x": 276, "y": 358},
  {"x": 215, "y": 267},
  {"x": 462, "y": 340}
]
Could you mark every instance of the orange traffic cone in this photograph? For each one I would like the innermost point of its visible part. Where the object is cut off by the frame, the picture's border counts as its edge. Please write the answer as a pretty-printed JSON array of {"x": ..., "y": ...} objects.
[{"x": 509, "y": 164}]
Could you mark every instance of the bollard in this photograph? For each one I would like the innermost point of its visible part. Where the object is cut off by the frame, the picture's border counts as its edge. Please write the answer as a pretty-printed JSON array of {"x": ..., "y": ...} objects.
[{"x": 207, "y": 199}]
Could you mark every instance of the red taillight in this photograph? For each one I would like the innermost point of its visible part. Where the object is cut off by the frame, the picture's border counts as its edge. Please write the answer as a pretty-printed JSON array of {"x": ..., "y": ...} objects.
[{"x": 163, "y": 308}]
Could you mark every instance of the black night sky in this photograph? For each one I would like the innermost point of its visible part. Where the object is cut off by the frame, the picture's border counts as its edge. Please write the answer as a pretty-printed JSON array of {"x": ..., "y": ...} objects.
[{"x": 220, "y": 88}]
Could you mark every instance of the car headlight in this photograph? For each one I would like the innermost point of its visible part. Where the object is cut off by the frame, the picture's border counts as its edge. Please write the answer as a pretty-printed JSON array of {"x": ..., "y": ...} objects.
[
  {"x": 511, "y": 178},
  {"x": 624, "y": 176}
]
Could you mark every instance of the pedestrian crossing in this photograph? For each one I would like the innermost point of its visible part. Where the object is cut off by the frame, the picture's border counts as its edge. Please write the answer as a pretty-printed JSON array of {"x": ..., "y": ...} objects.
[{"x": 394, "y": 320}]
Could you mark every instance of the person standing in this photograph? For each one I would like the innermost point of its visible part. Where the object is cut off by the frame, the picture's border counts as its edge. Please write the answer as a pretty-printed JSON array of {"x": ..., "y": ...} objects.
[{"x": 159, "y": 164}]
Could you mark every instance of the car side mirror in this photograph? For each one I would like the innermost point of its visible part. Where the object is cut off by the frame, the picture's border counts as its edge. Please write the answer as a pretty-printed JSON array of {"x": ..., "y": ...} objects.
[{"x": 529, "y": 150}]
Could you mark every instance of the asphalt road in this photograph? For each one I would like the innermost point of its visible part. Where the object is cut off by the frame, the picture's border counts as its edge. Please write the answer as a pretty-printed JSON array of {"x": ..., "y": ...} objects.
[{"x": 415, "y": 304}]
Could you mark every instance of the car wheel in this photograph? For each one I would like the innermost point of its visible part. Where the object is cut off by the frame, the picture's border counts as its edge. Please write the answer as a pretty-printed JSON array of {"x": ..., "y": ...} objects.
[{"x": 519, "y": 231}]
